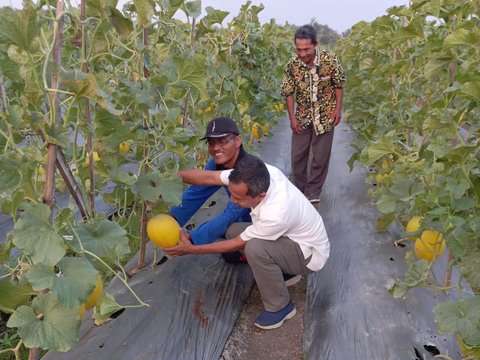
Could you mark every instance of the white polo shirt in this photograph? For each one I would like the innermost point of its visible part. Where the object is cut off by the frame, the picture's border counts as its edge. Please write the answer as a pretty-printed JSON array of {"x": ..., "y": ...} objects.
[{"x": 285, "y": 211}]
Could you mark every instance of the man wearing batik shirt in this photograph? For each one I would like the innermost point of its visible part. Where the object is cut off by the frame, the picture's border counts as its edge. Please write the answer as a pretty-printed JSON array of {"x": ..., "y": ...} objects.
[{"x": 313, "y": 80}]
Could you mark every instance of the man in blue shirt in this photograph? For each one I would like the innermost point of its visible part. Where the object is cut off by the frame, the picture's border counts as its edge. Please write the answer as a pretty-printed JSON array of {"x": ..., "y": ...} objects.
[
  {"x": 286, "y": 234},
  {"x": 225, "y": 147}
]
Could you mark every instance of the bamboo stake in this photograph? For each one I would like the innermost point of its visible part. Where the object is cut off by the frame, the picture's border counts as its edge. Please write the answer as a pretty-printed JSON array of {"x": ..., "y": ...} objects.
[
  {"x": 192, "y": 35},
  {"x": 447, "y": 278},
  {"x": 71, "y": 183},
  {"x": 394, "y": 58},
  {"x": 185, "y": 103},
  {"x": 34, "y": 354},
  {"x": 185, "y": 109},
  {"x": 144, "y": 219},
  {"x": 49, "y": 195},
  {"x": 88, "y": 115},
  {"x": 49, "y": 191},
  {"x": 452, "y": 72},
  {"x": 3, "y": 94}
]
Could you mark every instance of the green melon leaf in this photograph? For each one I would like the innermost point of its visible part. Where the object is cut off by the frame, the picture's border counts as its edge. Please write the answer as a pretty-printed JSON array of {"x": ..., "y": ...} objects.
[
  {"x": 85, "y": 85},
  {"x": 192, "y": 76},
  {"x": 412, "y": 31},
  {"x": 415, "y": 276},
  {"x": 96, "y": 8},
  {"x": 144, "y": 11},
  {"x": 171, "y": 190},
  {"x": 122, "y": 24},
  {"x": 171, "y": 6},
  {"x": 19, "y": 27},
  {"x": 461, "y": 317},
  {"x": 9, "y": 67},
  {"x": 14, "y": 294},
  {"x": 47, "y": 324},
  {"x": 463, "y": 37},
  {"x": 193, "y": 8},
  {"x": 383, "y": 222},
  {"x": 472, "y": 90},
  {"x": 152, "y": 187},
  {"x": 10, "y": 177},
  {"x": 105, "y": 309},
  {"x": 214, "y": 16},
  {"x": 427, "y": 7},
  {"x": 36, "y": 237},
  {"x": 387, "y": 203},
  {"x": 72, "y": 285},
  {"x": 436, "y": 65},
  {"x": 149, "y": 186},
  {"x": 469, "y": 267},
  {"x": 110, "y": 128},
  {"x": 463, "y": 204},
  {"x": 104, "y": 238},
  {"x": 380, "y": 148}
]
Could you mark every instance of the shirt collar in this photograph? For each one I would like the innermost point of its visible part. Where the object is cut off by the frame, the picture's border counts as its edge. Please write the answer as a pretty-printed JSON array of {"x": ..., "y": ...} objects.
[
  {"x": 241, "y": 154},
  {"x": 256, "y": 210}
]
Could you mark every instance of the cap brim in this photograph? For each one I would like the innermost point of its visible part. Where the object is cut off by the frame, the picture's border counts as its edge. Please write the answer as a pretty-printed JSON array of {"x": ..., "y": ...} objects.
[{"x": 215, "y": 136}]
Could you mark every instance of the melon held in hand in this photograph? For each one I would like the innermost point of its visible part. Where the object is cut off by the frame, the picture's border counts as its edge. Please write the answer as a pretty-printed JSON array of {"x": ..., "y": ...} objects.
[{"x": 163, "y": 230}]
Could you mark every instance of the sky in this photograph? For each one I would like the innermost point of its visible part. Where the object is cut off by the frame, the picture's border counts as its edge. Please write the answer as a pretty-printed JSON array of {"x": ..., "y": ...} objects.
[{"x": 340, "y": 15}]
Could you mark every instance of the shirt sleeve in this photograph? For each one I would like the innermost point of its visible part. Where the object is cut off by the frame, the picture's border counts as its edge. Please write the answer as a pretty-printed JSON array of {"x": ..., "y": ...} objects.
[
  {"x": 265, "y": 230},
  {"x": 216, "y": 228},
  {"x": 288, "y": 83},
  {"x": 224, "y": 176},
  {"x": 193, "y": 198},
  {"x": 339, "y": 77}
]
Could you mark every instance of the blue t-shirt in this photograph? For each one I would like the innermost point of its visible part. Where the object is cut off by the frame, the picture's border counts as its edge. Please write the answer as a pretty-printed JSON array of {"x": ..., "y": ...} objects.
[{"x": 195, "y": 196}]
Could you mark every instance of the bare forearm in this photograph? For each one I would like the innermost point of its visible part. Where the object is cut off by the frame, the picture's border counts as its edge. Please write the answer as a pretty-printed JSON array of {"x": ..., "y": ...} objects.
[
  {"x": 294, "y": 125},
  {"x": 339, "y": 98},
  {"x": 219, "y": 247},
  {"x": 200, "y": 177},
  {"x": 291, "y": 107}
]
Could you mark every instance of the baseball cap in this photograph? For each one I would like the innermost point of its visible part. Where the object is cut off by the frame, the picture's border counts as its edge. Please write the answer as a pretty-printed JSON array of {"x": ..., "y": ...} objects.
[{"x": 219, "y": 127}]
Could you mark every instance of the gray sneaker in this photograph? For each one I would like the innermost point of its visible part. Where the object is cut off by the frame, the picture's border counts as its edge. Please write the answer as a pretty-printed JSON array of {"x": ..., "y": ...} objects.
[{"x": 272, "y": 320}]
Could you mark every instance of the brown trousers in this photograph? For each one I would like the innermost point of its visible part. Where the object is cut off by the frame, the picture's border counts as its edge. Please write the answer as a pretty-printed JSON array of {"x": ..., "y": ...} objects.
[
  {"x": 310, "y": 182},
  {"x": 269, "y": 260}
]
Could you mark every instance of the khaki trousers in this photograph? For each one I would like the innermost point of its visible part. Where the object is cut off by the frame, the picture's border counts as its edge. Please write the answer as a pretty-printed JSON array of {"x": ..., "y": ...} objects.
[
  {"x": 310, "y": 182},
  {"x": 269, "y": 260}
]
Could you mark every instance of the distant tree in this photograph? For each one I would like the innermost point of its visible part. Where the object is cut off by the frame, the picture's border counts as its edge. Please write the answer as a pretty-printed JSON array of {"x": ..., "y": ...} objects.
[
  {"x": 326, "y": 36},
  {"x": 346, "y": 32}
]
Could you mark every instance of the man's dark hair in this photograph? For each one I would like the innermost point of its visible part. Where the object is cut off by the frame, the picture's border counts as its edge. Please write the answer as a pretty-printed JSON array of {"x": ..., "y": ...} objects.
[
  {"x": 306, "y": 32},
  {"x": 253, "y": 172}
]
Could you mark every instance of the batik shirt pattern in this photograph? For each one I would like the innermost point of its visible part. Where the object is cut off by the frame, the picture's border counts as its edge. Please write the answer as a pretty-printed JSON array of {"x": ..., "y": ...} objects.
[{"x": 314, "y": 89}]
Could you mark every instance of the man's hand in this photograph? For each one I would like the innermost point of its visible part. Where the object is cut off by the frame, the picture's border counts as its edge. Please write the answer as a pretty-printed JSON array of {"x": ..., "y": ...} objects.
[
  {"x": 184, "y": 246},
  {"x": 217, "y": 247},
  {"x": 337, "y": 113},
  {"x": 336, "y": 117},
  {"x": 294, "y": 125}
]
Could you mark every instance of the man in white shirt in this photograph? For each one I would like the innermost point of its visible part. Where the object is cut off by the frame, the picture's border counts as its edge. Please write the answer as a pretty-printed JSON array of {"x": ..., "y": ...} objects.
[{"x": 287, "y": 234}]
